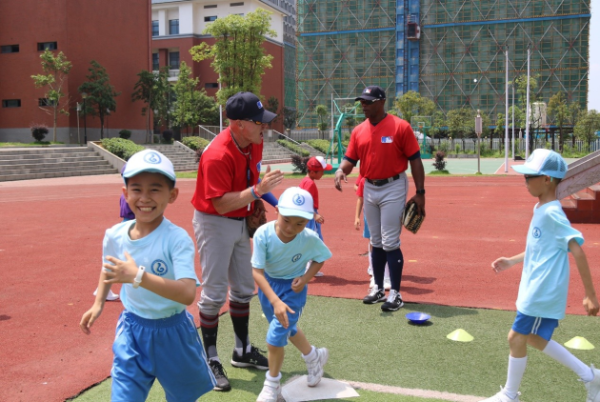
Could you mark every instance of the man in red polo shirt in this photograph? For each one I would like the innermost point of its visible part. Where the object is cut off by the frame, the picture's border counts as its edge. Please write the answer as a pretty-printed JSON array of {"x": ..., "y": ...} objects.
[
  {"x": 226, "y": 188},
  {"x": 384, "y": 145}
]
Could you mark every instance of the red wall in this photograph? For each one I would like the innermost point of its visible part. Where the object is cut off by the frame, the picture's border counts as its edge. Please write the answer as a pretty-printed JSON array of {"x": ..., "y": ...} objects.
[{"x": 115, "y": 33}]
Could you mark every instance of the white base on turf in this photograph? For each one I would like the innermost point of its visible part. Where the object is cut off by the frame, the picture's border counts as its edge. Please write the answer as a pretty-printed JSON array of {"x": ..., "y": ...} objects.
[{"x": 296, "y": 390}]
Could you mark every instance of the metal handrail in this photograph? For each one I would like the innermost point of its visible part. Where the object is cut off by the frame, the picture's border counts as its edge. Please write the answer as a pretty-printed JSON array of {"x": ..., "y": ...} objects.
[
  {"x": 200, "y": 126},
  {"x": 291, "y": 139}
]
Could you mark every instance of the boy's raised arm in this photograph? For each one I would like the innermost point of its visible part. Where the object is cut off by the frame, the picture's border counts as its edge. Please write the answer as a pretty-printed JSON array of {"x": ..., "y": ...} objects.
[{"x": 590, "y": 302}]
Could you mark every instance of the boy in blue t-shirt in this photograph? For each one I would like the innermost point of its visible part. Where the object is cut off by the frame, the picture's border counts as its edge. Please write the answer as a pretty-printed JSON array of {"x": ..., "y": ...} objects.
[
  {"x": 154, "y": 260},
  {"x": 542, "y": 299},
  {"x": 282, "y": 249}
]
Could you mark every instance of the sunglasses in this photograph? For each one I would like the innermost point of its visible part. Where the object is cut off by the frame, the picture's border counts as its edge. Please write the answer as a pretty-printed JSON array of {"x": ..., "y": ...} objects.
[
  {"x": 258, "y": 123},
  {"x": 368, "y": 102},
  {"x": 531, "y": 176}
]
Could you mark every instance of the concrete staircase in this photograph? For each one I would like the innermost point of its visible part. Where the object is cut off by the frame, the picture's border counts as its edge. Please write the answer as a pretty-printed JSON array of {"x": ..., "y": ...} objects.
[
  {"x": 275, "y": 153},
  {"x": 579, "y": 191},
  {"x": 41, "y": 163},
  {"x": 583, "y": 206},
  {"x": 183, "y": 158}
]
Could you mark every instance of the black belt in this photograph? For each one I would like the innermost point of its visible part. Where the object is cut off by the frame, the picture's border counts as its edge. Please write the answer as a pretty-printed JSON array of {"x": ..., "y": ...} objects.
[
  {"x": 382, "y": 182},
  {"x": 235, "y": 218}
]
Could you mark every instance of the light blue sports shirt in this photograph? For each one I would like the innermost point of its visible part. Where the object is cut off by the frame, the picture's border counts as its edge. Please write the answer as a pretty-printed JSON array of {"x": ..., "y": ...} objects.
[
  {"x": 286, "y": 260},
  {"x": 545, "y": 279},
  {"x": 167, "y": 252}
]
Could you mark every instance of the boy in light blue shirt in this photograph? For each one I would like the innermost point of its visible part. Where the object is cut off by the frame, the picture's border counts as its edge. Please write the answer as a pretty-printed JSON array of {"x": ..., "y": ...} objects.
[
  {"x": 154, "y": 260},
  {"x": 542, "y": 299},
  {"x": 282, "y": 249}
]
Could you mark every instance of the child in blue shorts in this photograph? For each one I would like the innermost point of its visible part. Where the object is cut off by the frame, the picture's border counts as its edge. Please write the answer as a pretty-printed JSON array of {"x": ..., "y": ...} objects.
[
  {"x": 154, "y": 260},
  {"x": 542, "y": 299},
  {"x": 282, "y": 249}
]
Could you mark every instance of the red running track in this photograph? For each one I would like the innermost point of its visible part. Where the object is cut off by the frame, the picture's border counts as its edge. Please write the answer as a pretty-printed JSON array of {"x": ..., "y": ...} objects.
[{"x": 50, "y": 253}]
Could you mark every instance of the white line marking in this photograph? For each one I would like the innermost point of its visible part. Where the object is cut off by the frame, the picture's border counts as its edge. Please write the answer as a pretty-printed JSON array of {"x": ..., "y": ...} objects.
[{"x": 421, "y": 393}]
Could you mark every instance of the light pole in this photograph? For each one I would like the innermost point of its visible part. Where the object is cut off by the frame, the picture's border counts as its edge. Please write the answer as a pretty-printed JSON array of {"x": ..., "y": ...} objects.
[
  {"x": 78, "y": 111},
  {"x": 478, "y": 131},
  {"x": 84, "y": 96}
]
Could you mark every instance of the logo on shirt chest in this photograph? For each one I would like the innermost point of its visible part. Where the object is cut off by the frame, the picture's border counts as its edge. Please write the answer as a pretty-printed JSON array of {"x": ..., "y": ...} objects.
[
  {"x": 387, "y": 140},
  {"x": 159, "y": 267},
  {"x": 296, "y": 257},
  {"x": 536, "y": 233}
]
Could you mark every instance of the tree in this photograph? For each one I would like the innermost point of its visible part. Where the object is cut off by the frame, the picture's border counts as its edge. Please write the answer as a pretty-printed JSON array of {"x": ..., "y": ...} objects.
[
  {"x": 56, "y": 69},
  {"x": 586, "y": 127},
  {"x": 500, "y": 124},
  {"x": 413, "y": 104},
  {"x": 323, "y": 124},
  {"x": 163, "y": 112},
  {"x": 575, "y": 114},
  {"x": 289, "y": 117},
  {"x": 273, "y": 106},
  {"x": 558, "y": 110},
  {"x": 100, "y": 94},
  {"x": 461, "y": 122},
  {"x": 145, "y": 90},
  {"x": 237, "y": 54}
]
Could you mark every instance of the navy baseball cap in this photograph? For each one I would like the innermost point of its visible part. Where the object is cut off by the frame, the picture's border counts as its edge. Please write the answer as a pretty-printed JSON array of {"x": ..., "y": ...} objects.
[
  {"x": 247, "y": 106},
  {"x": 371, "y": 92}
]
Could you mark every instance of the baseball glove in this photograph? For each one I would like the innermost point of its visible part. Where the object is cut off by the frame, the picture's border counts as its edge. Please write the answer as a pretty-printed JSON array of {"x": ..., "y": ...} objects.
[
  {"x": 410, "y": 217},
  {"x": 257, "y": 219}
]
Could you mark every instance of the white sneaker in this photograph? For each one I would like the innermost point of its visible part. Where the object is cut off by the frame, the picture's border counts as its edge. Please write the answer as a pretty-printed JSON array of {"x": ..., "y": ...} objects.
[
  {"x": 370, "y": 270},
  {"x": 271, "y": 392},
  {"x": 387, "y": 283},
  {"x": 593, "y": 387},
  {"x": 315, "y": 367},
  {"x": 319, "y": 273},
  {"x": 501, "y": 397},
  {"x": 111, "y": 296},
  {"x": 371, "y": 283}
]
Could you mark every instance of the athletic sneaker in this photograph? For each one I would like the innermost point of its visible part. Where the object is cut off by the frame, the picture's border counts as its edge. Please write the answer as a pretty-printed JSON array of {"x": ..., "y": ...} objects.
[
  {"x": 315, "y": 367},
  {"x": 501, "y": 397},
  {"x": 593, "y": 387},
  {"x": 371, "y": 283},
  {"x": 319, "y": 273},
  {"x": 254, "y": 358},
  {"x": 375, "y": 296},
  {"x": 219, "y": 372},
  {"x": 394, "y": 301},
  {"x": 387, "y": 283},
  {"x": 271, "y": 392},
  {"x": 111, "y": 296}
]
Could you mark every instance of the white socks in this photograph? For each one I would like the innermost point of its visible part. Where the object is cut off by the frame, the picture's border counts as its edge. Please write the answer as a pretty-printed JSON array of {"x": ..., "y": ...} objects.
[
  {"x": 516, "y": 369},
  {"x": 566, "y": 358},
  {"x": 274, "y": 379},
  {"x": 311, "y": 356}
]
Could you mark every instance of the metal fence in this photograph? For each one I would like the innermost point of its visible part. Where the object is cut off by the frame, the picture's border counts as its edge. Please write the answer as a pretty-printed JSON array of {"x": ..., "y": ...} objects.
[{"x": 470, "y": 145}]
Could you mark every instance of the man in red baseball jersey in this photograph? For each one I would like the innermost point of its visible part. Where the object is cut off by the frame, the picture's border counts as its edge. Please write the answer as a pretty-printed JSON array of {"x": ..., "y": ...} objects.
[
  {"x": 384, "y": 145},
  {"x": 226, "y": 188}
]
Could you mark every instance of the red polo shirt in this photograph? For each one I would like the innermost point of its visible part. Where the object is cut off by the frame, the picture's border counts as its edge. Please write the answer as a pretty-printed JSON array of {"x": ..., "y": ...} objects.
[
  {"x": 224, "y": 169},
  {"x": 383, "y": 149}
]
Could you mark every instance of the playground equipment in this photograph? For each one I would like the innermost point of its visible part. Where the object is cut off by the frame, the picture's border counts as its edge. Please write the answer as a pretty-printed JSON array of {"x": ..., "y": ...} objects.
[
  {"x": 421, "y": 125},
  {"x": 341, "y": 109}
]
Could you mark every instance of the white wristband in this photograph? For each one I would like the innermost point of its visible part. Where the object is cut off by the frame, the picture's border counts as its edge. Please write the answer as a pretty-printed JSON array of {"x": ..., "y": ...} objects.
[{"x": 138, "y": 278}]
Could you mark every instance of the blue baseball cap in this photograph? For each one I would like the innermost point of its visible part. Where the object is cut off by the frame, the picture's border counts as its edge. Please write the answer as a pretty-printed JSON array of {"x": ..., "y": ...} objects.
[
  {"x": 543, "y": 162},
  {"x": 149, "y": 160}
]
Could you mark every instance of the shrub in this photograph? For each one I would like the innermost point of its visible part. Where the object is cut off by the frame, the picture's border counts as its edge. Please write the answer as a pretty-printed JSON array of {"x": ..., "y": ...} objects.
[
  {"x": 39, "y": 132},
  {"x": 440, "y": 163},
  {"x": 125, "y": 134},
  {"x": 167, "y": 136},
  {"x": 443, "y": 146},
  {"x": 320, "y": 145},
  {"x": 156, "y": 138},
  {"x": 293, "y": 147},
  {"x": 195, "y": 143},
  {"x": 457, "y": 148},
  {"x": 121, "y": 147},
  {"x": 299, "y": 163}
]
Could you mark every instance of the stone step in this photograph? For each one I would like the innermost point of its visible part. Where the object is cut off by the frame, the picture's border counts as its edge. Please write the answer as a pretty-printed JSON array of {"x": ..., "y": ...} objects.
[
  {"x": 62, "y": 159},
  {"x": 45, "y": 175},
  {"x": 16, "y": 156},
  {"x": 58, "y": 168}
]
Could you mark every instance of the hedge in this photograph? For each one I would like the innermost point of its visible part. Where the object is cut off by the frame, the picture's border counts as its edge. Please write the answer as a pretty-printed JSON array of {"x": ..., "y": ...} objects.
[
  {"x": 121, "y": 147},
  {"x": 195, "y": 143},
  {"x": 293, "y": 147}
]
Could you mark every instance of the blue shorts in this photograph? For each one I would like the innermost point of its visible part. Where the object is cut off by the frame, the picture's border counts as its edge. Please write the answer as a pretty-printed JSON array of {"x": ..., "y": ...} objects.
[
  {"x": 366, "y": 232},
  {"x": 313, "y": 225},
  {"x": 542, "y": 327},
  {"x": 165, "y": 349},
  {"x": 277, "y": 335}
]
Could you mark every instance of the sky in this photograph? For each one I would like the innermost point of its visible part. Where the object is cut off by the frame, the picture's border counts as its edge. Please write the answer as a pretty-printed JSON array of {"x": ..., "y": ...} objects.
[{"x": 594, "y": 81}]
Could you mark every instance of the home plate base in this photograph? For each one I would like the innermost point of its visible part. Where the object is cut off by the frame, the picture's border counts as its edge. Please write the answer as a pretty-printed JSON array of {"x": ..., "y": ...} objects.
[{"x": 296, "y": 390}]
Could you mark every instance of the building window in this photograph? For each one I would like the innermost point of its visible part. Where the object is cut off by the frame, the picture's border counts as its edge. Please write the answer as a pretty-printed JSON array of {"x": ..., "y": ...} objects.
[
  {"x": 10, "y": 49},
  {"x": 155, "y": 62},
  {"x": 43, "y": 102},
  {"x": 174, "y": 60},
  {"x": 236, "y": 4},
  {"x": 211, "y": 6},
  {"x": 209, "y": 85},
  {"x": 154, "y": 28},
  {"x": 173, "y": 27},
  {"x": 210, "y": 18},
  {"x": 47, "y": 46},
  {"x": 11, "y": 103}
]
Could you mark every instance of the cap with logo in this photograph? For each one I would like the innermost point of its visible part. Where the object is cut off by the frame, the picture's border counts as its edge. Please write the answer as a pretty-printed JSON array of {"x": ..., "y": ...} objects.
[
  {"x": 543, "y": 162},
  {"x": 247, "y": 106},
  {"x": 371, "y": 93},
  {"x": 318, "y": 163},
  {"x": 149, "y": 160},
  {"x": 296, "y": 202}
]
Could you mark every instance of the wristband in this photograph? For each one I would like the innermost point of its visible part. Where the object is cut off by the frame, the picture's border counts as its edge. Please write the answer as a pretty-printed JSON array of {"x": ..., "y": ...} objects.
[
  {"x": 421, "y": 192},
  {"x": 256, "y": 197},
  {"x": 138, "y": 277}
]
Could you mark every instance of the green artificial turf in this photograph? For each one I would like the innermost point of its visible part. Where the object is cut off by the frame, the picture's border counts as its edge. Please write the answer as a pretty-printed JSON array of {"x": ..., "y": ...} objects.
[{"x": 367, "y": 345}]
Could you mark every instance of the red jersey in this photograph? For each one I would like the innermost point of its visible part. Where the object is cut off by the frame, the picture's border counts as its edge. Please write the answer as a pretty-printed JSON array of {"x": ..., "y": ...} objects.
[
  {"x": 383, "y": 149},
  {"x": 309, "y": 185},
  {"x": 224, "y": 169},
  {"x": 361, "y": 187}
]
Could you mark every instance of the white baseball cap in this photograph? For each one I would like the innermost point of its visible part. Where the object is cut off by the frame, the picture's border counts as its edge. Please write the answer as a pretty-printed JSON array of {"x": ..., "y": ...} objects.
[
  {"x": 544, "y": 162},
  {"x": 296, "y": 202},
  {"x": 149, "y": 160}
]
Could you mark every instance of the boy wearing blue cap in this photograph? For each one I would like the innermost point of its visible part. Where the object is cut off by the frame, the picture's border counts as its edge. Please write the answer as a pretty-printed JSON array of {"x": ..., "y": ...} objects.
[
  {"x": 282, "y": 249},
  {"x": 542, "y": 299},
  {"x": 154, "y": 260}
]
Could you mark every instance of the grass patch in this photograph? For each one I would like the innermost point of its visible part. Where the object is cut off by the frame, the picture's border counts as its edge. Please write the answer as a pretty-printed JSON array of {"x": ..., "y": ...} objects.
[
  {"x": 370, "y": 346},
  {"x": 30, "y": 144},
  {"x": 439, "y": 172}
]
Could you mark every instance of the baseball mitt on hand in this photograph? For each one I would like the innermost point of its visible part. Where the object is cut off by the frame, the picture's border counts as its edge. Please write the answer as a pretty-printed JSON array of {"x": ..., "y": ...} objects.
[
  {"x": 410, "y": 218},
  {"x": 257, "y": 219}
]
